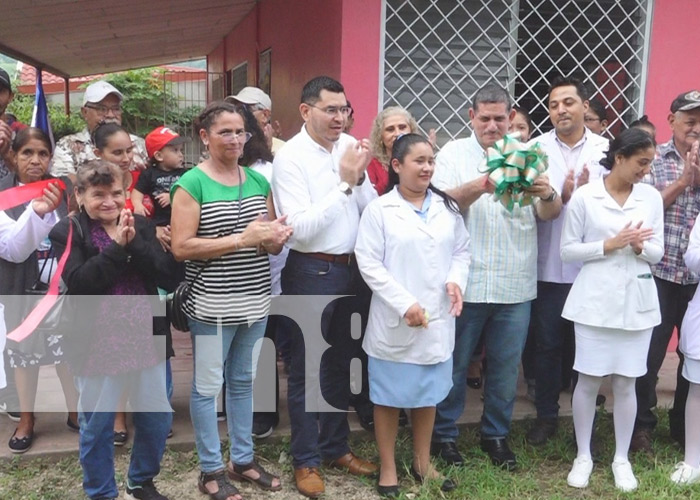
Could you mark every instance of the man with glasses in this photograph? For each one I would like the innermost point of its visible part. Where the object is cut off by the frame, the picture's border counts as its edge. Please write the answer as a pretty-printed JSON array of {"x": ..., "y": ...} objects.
[
  {"x": 319, "y": 183},
  {"x": 102, "y": 103},
  {"x": 260, "y": 105}
]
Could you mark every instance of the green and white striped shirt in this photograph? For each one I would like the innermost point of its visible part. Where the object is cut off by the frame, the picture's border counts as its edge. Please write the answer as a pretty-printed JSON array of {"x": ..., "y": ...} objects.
[{"x": 234, "y": 288}]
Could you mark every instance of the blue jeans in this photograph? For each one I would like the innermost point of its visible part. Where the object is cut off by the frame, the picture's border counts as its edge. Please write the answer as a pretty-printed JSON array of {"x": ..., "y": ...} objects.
[
  {"x": 99, "y": 397},
  {"x": 317, "y": 435},
  {"x": 233, "y": 355},
  {"x": 550, "y": 331},
  {"x": 504, "y": 329}
]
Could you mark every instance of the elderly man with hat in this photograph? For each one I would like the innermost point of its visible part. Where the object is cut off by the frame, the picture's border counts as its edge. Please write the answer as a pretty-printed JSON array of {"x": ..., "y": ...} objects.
[
  {"x": 676, "y": 173},
  {"x": 102, "y": 103},
  {"x": 260, "y": 105}
]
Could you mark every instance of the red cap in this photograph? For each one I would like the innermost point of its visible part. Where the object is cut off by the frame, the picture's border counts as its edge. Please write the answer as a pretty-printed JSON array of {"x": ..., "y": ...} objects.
[{"x": 161, "y": 137}]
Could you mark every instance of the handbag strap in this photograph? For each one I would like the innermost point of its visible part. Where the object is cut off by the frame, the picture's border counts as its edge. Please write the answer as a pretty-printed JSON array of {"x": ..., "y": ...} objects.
[
  {"x": 34, "y": 318},
  {"x": 238, "y": 219}
]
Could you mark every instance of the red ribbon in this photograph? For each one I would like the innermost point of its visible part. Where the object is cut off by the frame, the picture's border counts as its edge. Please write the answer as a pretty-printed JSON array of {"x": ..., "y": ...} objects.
[
  {"x": 12, "y": 198},
  {"x": 22, "y": 194}
]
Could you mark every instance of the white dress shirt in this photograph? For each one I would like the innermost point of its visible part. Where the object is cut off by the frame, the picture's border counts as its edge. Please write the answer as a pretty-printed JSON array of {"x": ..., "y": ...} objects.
[
  {"x": 588, "y": 152},
  {"x": 615, "y": 290},
  {"x": 405, "y": 260},
  {"x": 690, "y": 329},
  {"x": 20, "y": 238},
  {"x": 278, "y": 261},
  {"x": 305, "y": 179},
  {"x": 503, "y": 243}
]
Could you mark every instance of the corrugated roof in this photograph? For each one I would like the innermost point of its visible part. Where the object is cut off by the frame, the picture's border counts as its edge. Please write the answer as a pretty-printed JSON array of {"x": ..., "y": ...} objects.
[{"x": 88, "y": 37}]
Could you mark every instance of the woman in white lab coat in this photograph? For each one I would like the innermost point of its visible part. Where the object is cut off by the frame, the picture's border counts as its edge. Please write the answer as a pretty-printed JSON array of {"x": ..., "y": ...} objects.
[
  {"x": 614, "y": 225},
  {"x": 412, "y": 250},
  {"x": 688, "y": 471}
]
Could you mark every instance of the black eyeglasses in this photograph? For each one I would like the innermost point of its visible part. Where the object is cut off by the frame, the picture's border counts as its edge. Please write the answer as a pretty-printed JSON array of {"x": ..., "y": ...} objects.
[
  {"x": 103, "y": 110},
  {"x": 331, "y": 111}
]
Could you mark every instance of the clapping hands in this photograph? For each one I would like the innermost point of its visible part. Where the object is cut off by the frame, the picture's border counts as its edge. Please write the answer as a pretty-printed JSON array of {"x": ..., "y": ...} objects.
[
  {"x": 634, "y": 236},
  {"x": 354, "y": 162},
  {"x": 125, "y": 228}
]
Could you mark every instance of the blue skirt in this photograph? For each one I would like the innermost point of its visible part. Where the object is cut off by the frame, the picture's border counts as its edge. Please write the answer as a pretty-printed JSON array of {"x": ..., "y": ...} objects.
[{"x": 408, "y": 385}]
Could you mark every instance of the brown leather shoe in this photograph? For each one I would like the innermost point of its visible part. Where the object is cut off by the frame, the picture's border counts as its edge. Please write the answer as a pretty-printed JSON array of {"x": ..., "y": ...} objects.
[
  {"x": 309, "y": 481},
  {"x": 641, "y": 441},
  {"x": 354, "y": 465}
]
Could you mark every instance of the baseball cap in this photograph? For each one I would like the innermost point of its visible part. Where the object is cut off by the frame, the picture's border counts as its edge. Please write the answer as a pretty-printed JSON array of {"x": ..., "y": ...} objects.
[
  {"x": 160, "y": 137},
  {"x": 252, "y": 95},
  {"x": 97, "y": 91},
  {"x": 686, "y": 101},
  {"x": 5, "y": 80}
]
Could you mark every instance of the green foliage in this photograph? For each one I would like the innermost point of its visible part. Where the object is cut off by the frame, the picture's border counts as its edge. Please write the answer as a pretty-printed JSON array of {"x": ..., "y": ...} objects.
[
  {"x": 146, "y": 99},
  {"x": 149, "y": 103},
  {"x": 22, "y": 107}
]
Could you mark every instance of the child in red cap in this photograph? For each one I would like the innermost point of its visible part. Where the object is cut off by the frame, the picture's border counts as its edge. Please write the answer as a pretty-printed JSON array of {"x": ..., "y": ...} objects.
[{"x": 164, "y": 148}]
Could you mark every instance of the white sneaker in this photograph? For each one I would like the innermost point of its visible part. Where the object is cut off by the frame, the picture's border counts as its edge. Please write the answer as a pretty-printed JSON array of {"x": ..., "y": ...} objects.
[
  {"x": 624, "y": 477},
  {"x": 685, "y": 474},
  {"x": 580, "y": 472}
]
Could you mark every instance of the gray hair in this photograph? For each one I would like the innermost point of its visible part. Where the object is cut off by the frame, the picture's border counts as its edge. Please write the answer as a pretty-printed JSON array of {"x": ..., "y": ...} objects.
[{"x": 492, "y": 93}]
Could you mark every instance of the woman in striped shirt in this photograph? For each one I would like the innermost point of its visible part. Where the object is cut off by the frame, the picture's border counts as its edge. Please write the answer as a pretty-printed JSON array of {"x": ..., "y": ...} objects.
[{"x": 220, "y": 228}]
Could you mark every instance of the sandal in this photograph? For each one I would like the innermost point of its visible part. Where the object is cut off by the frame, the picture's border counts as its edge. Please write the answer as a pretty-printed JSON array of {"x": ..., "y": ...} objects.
[
  {"x": 263, "y": 481},
  {"x": 226, "y": 490}
]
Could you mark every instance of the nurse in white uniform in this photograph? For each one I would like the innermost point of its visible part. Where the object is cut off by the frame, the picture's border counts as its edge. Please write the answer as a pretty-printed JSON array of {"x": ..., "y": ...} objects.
[
  {"x": 688, "y": 471},
  {"x": 613, "y": 225},
  {"x": 412, "y": 250}
]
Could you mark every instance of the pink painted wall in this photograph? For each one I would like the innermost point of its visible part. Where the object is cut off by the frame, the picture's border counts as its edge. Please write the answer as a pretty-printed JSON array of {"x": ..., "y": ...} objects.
[
  {"x": 673, "y": 65},
  {"x": 360, "y": 59},
  {"x": 338, "y": 38},
  {"x": 305, "y": 40}
]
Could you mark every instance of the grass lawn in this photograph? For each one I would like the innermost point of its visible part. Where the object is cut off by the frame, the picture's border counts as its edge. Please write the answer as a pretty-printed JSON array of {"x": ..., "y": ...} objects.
[{"x": 541, "y": 474}]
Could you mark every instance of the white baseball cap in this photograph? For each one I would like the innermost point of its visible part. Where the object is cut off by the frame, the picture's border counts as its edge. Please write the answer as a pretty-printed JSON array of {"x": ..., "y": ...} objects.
[
  {"x": 252, "y": 95},
  {"x": 97, "y": 91}
]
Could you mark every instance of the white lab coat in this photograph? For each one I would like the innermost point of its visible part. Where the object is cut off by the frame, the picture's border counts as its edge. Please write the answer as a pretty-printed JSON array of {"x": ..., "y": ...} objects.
[
  {"x": 405, "y": 260},
  {"x": 549, "y": 265},
  {"x": 690, "y": 328},
  {"x": 615, "y": 290}
]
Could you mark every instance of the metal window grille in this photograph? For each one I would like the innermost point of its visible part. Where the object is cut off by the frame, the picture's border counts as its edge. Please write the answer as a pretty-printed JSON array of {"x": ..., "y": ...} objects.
[
  {"x": 437, "y": 53},
  {"x": 189, "y": 92}
]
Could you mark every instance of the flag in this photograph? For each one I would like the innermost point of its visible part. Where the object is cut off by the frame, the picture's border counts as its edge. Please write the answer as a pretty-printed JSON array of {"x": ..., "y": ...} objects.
[{"x": 40, "y": 116}]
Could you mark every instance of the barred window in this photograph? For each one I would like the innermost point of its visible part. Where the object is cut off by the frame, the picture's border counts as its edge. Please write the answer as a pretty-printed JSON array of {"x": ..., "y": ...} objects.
[{"x": 439, "y": 52}]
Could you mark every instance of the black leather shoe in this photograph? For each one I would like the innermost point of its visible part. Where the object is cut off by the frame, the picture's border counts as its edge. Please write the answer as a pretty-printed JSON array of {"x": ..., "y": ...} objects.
[
  {"x": 542, "y": 430},
  {"x": 388, "y": 491},
  {"x": 447, "y": 484},
  {"x": 499, "y": 453},
  {"x": 448, "y": 452}
]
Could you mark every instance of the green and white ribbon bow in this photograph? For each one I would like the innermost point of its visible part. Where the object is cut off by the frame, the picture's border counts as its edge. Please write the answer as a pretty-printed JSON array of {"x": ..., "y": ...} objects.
[{"x": 513, "y": 166}]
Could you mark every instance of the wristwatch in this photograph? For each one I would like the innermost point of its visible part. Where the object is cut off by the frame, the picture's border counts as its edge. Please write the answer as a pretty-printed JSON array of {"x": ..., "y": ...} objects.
[
  {"x": 551, "y": 197},
  {"x": 345, "y": 188}
]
